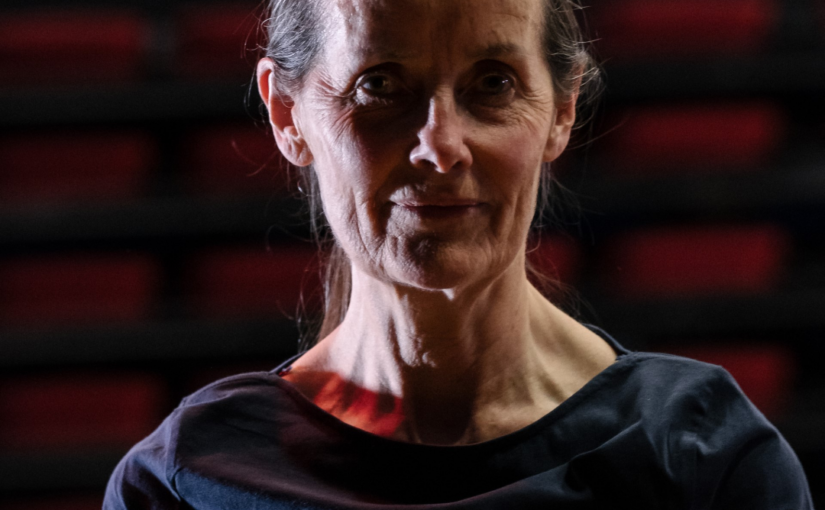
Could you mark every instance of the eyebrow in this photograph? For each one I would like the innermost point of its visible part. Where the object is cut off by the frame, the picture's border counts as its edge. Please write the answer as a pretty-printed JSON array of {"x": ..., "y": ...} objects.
[
  {"x": 492, "y": 51},
  {"x": 365, "y": 53},
  {"x": 497, "y": 50}
]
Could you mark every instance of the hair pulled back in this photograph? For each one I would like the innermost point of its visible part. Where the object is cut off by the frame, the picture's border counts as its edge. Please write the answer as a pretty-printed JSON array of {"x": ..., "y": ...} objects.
[{"x": 294, "y": 41}]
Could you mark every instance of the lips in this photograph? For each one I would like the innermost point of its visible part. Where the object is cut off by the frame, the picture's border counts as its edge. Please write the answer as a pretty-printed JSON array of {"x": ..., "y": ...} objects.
[
  {"x": 447, "y": 202},
  {"x": 442, "y": 209}
]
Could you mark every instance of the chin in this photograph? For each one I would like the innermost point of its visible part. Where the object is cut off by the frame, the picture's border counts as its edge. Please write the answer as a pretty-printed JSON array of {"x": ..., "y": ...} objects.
[{"x": 432, "y": 265}]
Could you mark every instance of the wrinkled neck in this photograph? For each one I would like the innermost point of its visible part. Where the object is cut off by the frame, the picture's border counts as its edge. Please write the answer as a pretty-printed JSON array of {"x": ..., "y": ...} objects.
[
  {"x": 450, "y": 367},
  {"x": 446, "y": 331}
]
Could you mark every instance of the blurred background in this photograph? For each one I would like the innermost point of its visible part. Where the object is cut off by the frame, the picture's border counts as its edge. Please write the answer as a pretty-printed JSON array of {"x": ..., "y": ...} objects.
[{"x": 150, "y": 241}]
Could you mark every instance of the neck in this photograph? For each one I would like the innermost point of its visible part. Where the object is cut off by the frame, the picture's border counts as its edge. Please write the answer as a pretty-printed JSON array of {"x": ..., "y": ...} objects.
[
  {"x": 446, "y": 331},
  {"x": 450, "y": 367}
]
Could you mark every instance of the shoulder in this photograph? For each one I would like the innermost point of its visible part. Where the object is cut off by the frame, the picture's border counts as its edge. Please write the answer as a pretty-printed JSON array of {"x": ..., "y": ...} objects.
[
  {"x": 148, "y": 470},
  {"x": 677, "y": 369},
  {"x": 736, "y": 457},
  {"x": 701, "y": 399},
  {"x": 679, "y": 402},
  {"x": 237, "y": 387},
  {"x": 658, "y": 378},
  {"x": 662, "y": 381},
  {"x": 245, "y": 400},
  {"x": 707, "y": 393}
]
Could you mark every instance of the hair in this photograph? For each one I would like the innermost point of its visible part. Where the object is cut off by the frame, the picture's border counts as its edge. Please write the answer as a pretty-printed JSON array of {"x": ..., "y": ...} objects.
[{"x": 294, "y": 40}]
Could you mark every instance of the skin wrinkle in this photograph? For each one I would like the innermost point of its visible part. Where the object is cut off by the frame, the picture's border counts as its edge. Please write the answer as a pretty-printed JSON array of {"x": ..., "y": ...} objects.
[{"x": 442, "y": 316}]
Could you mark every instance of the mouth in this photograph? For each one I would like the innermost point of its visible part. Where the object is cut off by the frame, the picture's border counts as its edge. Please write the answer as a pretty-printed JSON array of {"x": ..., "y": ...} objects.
[{"x": 443, "y": 210}]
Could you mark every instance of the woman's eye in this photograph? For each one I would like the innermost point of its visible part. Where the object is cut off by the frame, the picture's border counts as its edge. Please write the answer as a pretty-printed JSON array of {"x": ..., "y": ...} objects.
[
  {"x": 379, "y": 89},
  {"x": 494, "y": 89},
  {"x": 494, "y": 84},
  {"x": 378, "y": 84}
]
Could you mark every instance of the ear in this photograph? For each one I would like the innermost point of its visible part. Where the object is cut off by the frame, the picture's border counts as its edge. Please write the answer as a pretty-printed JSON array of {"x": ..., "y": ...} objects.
[
  {"x": 282, "y": 116},
  {"x": 563, "y": 121}
]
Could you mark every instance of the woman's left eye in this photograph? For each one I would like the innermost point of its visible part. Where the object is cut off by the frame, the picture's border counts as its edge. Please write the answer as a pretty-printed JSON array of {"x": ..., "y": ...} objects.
[
  {"x": 494, "y": 84},
  {"x": 492, "y": 90}
]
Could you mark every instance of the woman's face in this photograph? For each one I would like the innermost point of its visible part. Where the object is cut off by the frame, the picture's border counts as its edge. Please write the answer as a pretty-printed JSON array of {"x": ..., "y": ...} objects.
[{"x": 427, "y": 122}]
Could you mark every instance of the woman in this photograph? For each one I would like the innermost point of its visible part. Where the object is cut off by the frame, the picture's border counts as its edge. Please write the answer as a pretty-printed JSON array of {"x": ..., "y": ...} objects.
[{"x": 443, "y": 378}]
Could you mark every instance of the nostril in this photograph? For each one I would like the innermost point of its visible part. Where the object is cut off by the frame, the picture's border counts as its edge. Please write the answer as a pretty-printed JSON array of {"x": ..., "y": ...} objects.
[{"x": 441, "y": 151}]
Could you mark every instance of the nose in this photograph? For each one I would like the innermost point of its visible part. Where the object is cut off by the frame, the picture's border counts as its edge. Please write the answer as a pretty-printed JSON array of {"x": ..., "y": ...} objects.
[{"x": 441, "y": 141}]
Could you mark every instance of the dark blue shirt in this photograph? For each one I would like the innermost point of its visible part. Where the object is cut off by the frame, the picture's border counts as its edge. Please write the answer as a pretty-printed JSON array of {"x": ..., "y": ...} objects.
[{"x": 651, "y": 431}]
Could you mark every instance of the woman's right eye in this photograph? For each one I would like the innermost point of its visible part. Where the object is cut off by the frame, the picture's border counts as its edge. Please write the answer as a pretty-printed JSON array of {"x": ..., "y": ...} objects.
[
  {"x": 376, "y": 88},
  {"x": 378, "y": 84}
]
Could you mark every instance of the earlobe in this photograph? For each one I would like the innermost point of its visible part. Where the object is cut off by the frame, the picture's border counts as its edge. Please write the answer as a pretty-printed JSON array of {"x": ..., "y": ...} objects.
[
  {"x": 556, "y": 143},
  {"x": 559, "y": 136},
  {"x": 294, "y": 147},
  {"x": 281, "y": 110}
]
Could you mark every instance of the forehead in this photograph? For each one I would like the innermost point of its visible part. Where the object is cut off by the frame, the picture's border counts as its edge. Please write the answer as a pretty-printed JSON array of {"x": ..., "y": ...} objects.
[{"x": 398, "y": 29}]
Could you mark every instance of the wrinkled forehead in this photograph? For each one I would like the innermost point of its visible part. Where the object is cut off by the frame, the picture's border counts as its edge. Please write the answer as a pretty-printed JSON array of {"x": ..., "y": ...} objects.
[{"x": 406, "y": 29}]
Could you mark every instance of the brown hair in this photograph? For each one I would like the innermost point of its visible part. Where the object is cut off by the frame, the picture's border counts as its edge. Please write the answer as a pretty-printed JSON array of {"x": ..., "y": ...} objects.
[{"x": 294, "y": 40}]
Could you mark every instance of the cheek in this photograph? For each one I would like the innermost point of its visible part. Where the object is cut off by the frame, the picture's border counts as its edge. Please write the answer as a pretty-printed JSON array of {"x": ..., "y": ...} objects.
[
  {"x": 354, "y": 171},
  {"x": 514, "y": 158}
]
